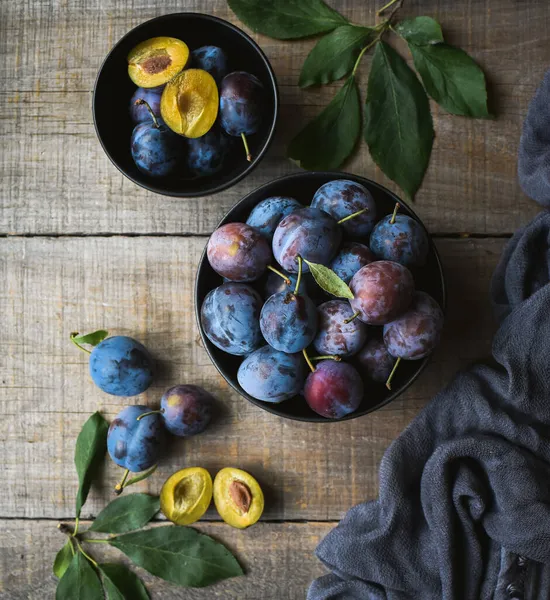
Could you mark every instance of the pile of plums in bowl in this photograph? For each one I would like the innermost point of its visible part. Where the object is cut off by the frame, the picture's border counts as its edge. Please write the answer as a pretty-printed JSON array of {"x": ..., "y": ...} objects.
[{"x": 319, "y": 297}]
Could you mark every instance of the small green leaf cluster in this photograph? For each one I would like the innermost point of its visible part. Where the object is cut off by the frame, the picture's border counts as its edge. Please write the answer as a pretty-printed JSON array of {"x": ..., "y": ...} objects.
[
  {"x": 180, "y": 555},
  {"x": 398, "y": 126}
]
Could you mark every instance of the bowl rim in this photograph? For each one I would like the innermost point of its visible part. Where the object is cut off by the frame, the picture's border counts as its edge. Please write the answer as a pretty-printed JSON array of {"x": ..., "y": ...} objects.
[
  {"x": 257, "y": 158},
  {"x": 270, "y": 407}
]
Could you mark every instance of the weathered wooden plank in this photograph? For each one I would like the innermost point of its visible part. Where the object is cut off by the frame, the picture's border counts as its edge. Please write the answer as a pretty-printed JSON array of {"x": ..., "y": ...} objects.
[
  {"x": 144, "y": 287},
  {"x": 277, "y": 557},
  {"x": 54, "y": 177}
]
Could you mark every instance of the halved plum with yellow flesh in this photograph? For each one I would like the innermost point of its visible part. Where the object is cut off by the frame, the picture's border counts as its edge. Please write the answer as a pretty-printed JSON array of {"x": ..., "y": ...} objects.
[
  {"x": 157, "y": 60},
  {"x": 186, "y": 495},
  {"x": 238, "y": 497},
  {"x": 189, "y": 103}
]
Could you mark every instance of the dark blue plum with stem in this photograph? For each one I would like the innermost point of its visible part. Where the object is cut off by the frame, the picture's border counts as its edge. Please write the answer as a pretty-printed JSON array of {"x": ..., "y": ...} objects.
[
  {"x": 351, "y": 257},
  {"x": 310, "y": 233},
  {"x": 404, "y": 240},
  {"x": 230, "y": 317},
  {"x": 341, "y": 198},
  {"x": 242, "y": 105},
  {"x": 334, "y": 335},
  {"x": 211, "y": 59},
  {"x": 334, "y": 389},
  {"x": 121, "y": 366},
  {"x": 135, "y": 444},
  {"x": 186, "y": 409},
  {"x": 156, "y": 149},
  {"x": 270, "y": 212},
  {"x": 416, "y": 333},
  {"x": 288, "y": 321},
  {"x": 139, "y": 112},
  {"x": 272, "y": 376},
  {"x": 376, "y": 361},
  {"x": 206, "y": 154}
]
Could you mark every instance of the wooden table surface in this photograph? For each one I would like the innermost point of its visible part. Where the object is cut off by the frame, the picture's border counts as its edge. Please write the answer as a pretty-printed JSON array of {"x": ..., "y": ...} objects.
[{"x": 81, "y": 248}]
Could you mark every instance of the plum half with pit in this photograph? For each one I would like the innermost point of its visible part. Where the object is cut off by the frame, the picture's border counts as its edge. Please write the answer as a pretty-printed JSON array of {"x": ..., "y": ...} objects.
[
  {"x": 230, "y": 317},
  {"x": 382, "y": 290},
  {"x": 266, "y": 215},
  {"x": 156, "y": 61},
  {"x": 400, "y": 238},
  {"x": 271, "y": 375},
  {"x": 334, "y": 335},
  {"x": 238, "y": 252},
  {"x": 351, "y": 257},
  {"x": 310, "y": 233},
  {"x": 334, "y": 389}
]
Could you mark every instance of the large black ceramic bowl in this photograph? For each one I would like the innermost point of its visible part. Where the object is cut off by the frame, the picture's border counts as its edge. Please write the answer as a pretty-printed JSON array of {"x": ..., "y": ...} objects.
[
  {"x": 303, "y": 186},
  {"x": 113, "y": 90}
]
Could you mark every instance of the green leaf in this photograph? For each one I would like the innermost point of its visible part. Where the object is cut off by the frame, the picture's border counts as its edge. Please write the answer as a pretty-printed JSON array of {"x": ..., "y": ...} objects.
[
  {"x": 126, "y": 513},
  {"x": 287, "y": 19},
  {"x": 122, "y": 584},
  {"x": 93, "y": 338},
  {"x": 420, "y": 30},
  {"x": 334, "y": 55},
  {"x": 452, "y": 78},
  {"x": 63, "y": 560},
  {"x": 328, "y": 280},
  {"x": 179, "y": 554},
  {"x": 398, "y": 122},
  {"x": 324, "y": 143},
  {"x": 91, "y": 445},
  {"x": 80, "y": 581},
  {"x": 140, "y": 477}
]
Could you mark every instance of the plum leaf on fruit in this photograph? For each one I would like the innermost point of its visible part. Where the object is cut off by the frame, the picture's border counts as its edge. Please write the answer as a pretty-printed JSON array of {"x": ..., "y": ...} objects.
[
  {"x": 238, "y": 497},
  {"x": 155, "y": 61},
  {"x": 189, "y": 103},
  {"x": 186, "y": 495},
  {"x": 328, "y": 280}
]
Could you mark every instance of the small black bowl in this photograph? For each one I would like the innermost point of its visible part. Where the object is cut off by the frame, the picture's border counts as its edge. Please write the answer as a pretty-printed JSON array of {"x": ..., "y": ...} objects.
[
  {"x": 113, "y": 90},
  {"x": 303, "y": 186}
]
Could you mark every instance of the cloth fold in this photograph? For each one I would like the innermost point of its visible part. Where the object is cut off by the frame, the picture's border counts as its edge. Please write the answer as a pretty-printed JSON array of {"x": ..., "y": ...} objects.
[{"x": 463, "y": 511}]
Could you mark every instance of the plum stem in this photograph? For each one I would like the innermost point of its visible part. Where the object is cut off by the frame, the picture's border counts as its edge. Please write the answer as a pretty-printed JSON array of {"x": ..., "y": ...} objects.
[
  {"x": 247, "y": 149},
  {"x": 141, "y": 101},
  {"x": 86, "y": 555},
  {"x": 354, "y": 316},
  {"x": 334, "y": 357},
  {"x": 392, "y": 220},
  {"x": 120, "y": 486},
  {"x": 282, "y": 275},
  {"x": 352, "y": 216},
  {"x": 151, "y": 412},
  {"x": 73, "y": 335},
  {"x": 299, "y": 278},
  {"x": 388, "y": 382},
  {"x": 310, "y": 364}
]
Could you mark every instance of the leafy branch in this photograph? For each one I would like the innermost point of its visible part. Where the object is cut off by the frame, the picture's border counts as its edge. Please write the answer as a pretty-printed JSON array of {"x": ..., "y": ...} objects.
[{"x": 398, "y": 127}]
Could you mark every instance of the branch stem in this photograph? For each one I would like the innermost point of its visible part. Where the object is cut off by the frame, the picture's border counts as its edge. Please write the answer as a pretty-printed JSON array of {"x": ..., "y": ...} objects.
[
  {"x": 367, "y": 47},
  {"x": 385, "y": 7},
  {"x": 73, "y": 335},
  {"x": 86, "y": 555}
]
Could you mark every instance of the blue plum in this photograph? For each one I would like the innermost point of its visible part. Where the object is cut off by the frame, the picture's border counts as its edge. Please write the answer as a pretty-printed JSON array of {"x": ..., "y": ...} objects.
[
  {"x": 275, "y": 284},
  {"x": 382, "y": 290},
  {"x": 308, "y": 232},
  {"x": 350, "y": 259},
  {"x": 271, "y": 375},
  {"x": 121, "y": 366},
  {"x": 156, "y": 149},
  {"x": 211, "y": 59},
  {"x": 341, "y": 198},
  {"x": 334, "y": 336},
  {"x": 266, "y": 215},
  {"x": 375, "y": 359},
  {"x": 242, "y": 103},
  {"x": 334, "y": 389},
  {"x": 206, "y": 154},
  {"x": 238, "y": 252},
  {"x": 288, "y": 322},
  {"x": 405, "y": 241},
  {"x": 139, "y": 112},
  {"x": 186, "y": 409},
  {"x": 136, "y": 445},
  {"x": 230, "y": 317},
  {"x": 416, "y": 333}
]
